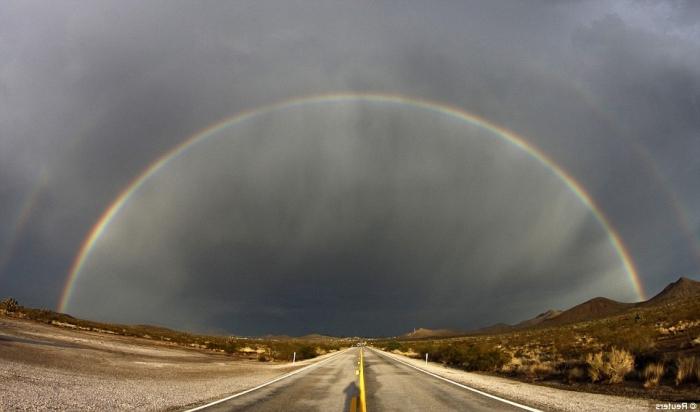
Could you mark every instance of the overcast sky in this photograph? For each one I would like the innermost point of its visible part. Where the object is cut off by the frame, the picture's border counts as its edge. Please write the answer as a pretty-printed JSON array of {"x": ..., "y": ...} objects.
[{"x": 352, "y": 217}]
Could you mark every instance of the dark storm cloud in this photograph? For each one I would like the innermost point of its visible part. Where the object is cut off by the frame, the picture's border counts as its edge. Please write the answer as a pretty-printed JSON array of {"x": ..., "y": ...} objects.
[
  {"x": 90, "y": 95},
  {"x": 643, "y": 70},
  {"x": 362, "y": 218}
]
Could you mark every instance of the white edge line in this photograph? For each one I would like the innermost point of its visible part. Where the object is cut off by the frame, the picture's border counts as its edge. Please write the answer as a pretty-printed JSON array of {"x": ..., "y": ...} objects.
[
  {"x": 527, "y": 408},
  {"x": 262, "y": 385}
]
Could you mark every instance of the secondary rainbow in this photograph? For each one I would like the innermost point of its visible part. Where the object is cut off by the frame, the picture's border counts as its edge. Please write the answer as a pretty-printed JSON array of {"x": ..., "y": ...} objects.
[{"x": 503, "y": 133}]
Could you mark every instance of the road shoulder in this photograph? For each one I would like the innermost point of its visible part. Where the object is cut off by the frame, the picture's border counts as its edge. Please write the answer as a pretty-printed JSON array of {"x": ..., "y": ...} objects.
[{"x": 548, "y": 399}]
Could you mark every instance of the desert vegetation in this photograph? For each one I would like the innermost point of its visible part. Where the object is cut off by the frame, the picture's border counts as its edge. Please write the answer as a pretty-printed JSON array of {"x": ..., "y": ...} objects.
[
  {"x": 642, "y": 349},
  {"x": 687, "y": 370},
  {"x": 9, "y": 305},
  {"x": 264, "y": 349},
  {"x": 652, "y": 374},
  {"x": 612, "y": 366},
  {"x": 653, "y": 350}
]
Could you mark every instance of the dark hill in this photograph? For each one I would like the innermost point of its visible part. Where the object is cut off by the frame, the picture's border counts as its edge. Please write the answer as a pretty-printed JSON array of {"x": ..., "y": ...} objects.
[
  {"x": 422, "y": 333},
  {"x": 493, "y": 329},
  {"x": 550, "y": 314},
  {"x": 595, "y": 308},
  {"x": 683, "y": 288}
]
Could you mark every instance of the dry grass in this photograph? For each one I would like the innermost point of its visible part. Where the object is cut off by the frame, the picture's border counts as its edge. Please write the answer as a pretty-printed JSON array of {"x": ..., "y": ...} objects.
[
  {"x": 596, "y": 366},
  {"x": 613, "y": 365},
  {"x": 532, "y": 368},
  {"x": 652, "y": 374},
  {"x": 687, "y": 370},
  {"x": 620, "y": 363},
  {"x": 542, "y": 369}
]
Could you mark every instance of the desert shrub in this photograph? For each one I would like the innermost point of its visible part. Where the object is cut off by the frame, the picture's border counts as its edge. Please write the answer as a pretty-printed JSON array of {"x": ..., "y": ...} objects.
[
  {"x": 472, "y": 357},
  {"x": 283, "y": 351},
  {"x": 424, "y": 348},
  {"x": 613, "y": 365},
  {"x": 231, "y": 346},
  {"x": 652, "y": 374},
  {"x": 306, "y": 352},
  {"x": 619, "y": 363},
  {"x": 264, "y": 357},
  {"x": 512, "y": 366},
  {"x": 497, "y": 358},
  {"x": 453, "y": 355},
  {"x": 9, "y": 304},
  {"x": 687, "y": 369},
  {"x": 392, "y": 345},
  {"x": 228, "y": 346},
  {"x": 638, "y": 341},
  {"x": 576, "y": 374},
  {"x": 538, "y": 369},
  {"x": 595, "y": 366}
]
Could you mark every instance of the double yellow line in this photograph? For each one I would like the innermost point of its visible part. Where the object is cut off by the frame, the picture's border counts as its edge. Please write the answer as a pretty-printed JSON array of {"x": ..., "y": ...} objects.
[{"x": 361, "y": 373}]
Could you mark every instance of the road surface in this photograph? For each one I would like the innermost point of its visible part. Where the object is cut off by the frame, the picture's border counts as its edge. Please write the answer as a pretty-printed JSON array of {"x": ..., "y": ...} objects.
[{"x": 390, "y": 386}]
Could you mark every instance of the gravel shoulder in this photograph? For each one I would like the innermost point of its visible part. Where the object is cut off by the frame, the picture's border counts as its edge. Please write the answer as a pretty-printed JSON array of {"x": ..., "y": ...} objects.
[
  {"x": 541, "y": 397},
  {"x": 44, "y": 367}
]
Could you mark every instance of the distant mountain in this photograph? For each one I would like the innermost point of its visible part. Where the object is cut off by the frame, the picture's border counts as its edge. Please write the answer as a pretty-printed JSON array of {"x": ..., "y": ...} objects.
[
  {"x": 595, "y": 308},
  {"x": 683, "y": 288},
  {"x": 315, "y": 336},
  {"x": 422, "y": 333},
  {"x": 504, "y": 327},
  {"x": 550, "y": 314},
  {"x": 599, "y": 307},
  {"x": 270, "y": 336},
  {"x": 493, "y": 329}
]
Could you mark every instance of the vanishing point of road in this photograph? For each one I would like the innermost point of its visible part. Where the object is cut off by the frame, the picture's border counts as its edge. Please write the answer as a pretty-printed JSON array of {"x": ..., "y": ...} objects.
[{"x": 333, "y": 385}]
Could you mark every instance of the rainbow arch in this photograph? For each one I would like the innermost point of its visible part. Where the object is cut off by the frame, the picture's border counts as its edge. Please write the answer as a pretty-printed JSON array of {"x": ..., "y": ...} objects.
[{"x": 455, "y": 112}]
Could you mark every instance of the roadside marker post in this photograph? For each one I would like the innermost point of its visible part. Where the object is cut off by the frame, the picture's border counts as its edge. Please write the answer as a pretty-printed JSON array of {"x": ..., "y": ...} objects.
[
  {"x": 426, "y": 358},
  {"x": 294, "y": 359}
]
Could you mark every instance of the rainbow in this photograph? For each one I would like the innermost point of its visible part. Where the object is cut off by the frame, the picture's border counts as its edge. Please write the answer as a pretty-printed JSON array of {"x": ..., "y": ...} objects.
[
  {"x": 179, "y": 150},
  {"x": 23, "y": 218},
  {"x": 678, "y": 209}
]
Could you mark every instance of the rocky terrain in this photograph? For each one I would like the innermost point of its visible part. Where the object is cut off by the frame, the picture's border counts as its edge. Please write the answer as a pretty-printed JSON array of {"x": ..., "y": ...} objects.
[{"x": 45, "y": 367}]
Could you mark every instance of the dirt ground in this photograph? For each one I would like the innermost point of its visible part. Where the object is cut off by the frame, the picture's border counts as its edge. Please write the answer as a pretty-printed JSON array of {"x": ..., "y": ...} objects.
[{"x": 45, "y": 367}]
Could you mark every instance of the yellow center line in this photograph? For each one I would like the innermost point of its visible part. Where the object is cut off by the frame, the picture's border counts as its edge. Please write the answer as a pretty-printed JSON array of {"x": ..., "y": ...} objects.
[
  {"x": 363, "y": 401},
  {"x": 360, "y": 372}
]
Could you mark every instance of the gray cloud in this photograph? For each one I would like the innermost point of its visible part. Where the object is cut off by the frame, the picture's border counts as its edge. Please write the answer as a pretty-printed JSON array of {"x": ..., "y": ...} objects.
[
  {"x": 315, "y": 218},
  {"x": 90, "y": 96}
]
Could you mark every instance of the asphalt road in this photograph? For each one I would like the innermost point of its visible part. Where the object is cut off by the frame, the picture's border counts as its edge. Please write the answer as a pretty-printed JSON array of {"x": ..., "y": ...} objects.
[
  {"x": 390, "y": 386},
  {"x": 329, "y": 387}
]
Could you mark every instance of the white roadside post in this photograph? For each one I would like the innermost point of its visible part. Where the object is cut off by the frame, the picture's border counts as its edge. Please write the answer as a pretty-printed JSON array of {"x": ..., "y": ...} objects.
[
  {"x": 294, "y": 359},
  {"x": 426, "y": 358}
]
